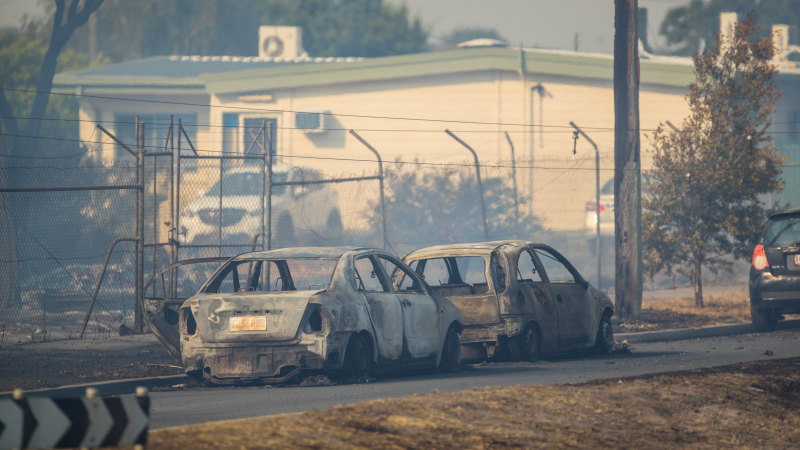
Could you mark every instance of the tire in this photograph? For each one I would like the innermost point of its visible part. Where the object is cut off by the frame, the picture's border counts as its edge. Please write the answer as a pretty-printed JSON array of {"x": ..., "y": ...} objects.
[
  {"x": 763, "y": 319},
  {"x": 525, "y": 347},
  {"x": 604, "y": 342},
  {"x": 450, "y": 361},
  {"x": 358, "y": 358}
]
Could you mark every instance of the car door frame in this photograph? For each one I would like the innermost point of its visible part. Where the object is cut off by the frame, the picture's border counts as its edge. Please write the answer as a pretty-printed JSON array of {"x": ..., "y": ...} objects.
[
  {"x": 421, "y": 341},
  {"x": 536, "y": 302},
  {"x": 381, "y": 307},
  {"x": 577, "y": 322}
]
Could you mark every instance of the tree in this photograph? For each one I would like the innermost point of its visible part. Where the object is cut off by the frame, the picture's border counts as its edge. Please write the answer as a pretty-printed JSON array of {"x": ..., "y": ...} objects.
[
  {"x": 19, "y": 52},
  {"x": 691, "y": 27},
  {"x": 463, "y": 34},
  {"x": 426, "y": 207},
  {"x": 704, "y": 203},
  {"x": 144, "y": 28}
]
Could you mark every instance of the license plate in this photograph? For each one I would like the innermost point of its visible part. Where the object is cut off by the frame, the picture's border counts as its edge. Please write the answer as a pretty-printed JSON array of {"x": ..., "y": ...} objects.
[
  {"x": 797, "y": 259},
  {"x": 248, "y": 323}
]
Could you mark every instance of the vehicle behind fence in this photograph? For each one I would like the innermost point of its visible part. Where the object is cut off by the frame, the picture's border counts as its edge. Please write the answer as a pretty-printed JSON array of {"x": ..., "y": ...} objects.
[{"x": 65, "y": 223}]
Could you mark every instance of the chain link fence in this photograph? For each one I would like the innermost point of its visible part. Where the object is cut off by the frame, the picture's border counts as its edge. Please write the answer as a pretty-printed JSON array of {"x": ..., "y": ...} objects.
[{"x": 59, "y": 222}]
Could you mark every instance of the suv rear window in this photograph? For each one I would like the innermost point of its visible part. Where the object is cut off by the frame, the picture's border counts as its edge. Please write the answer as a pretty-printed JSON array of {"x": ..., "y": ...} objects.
[{"x": 782, "y": 231}]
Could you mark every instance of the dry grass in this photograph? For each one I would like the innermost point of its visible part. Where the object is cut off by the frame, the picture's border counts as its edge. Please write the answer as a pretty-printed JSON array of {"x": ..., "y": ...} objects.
[
  {"x": 682, "y": 313},
  {"x": 747, "y": 405}
]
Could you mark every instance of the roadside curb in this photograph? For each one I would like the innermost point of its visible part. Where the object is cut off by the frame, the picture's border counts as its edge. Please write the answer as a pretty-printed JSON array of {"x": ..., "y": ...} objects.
[
  {"x": 105, "y": 388},
  {"x": 701, "y": 332},
  {"x": 128, "y": 386},
  {"x": 686, "y": 333}
]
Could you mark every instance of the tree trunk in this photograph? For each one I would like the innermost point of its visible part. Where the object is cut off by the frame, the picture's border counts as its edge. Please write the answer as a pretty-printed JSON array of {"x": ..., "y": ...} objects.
[
  {"x": 627, "y": 178},
  {"x": 61, "y": 33},
  {"x": 698, "y": 281}
]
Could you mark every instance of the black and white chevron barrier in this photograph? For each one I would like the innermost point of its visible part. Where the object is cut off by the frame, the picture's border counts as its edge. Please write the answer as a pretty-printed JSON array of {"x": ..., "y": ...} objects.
[{"x": 91, "y": 421}]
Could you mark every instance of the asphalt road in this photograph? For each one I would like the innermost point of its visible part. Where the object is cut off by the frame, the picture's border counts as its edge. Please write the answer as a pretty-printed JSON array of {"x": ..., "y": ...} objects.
[{"x": 202, "y": 404}]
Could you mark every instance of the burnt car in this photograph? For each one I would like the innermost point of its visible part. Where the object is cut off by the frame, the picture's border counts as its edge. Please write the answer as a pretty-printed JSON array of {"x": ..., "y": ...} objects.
[
  {"x": 518, "y": 299},
  {"x": 268, "y": 316},
  {"x": 775, "y": 271}
]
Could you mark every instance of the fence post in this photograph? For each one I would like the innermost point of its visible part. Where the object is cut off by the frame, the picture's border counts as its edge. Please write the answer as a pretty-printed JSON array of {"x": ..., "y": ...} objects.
[
  {"x": 480, "y": 185},
  {"x": 598, "y": 244},
  {"x": 138, "y": 322},
  {"x": 268, "y": 155},
  {"x": 380, "y": 184}
]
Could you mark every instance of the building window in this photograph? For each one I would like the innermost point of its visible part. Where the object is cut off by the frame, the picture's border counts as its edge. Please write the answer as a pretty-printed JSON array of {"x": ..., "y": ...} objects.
[{"x": 230, "y": 132}]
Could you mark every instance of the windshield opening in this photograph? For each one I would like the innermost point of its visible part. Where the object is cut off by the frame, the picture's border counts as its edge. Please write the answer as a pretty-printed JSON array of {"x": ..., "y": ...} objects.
[{"x": 273, "y": 275}]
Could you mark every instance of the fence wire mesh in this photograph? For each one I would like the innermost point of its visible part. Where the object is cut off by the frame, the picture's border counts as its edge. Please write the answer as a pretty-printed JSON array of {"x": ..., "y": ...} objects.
[{"x": 54, "y": 243}]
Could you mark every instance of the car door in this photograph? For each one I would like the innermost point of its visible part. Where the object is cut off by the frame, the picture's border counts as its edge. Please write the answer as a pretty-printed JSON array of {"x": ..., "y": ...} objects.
[
  {"x": 384, "y": 307},
  {"x": 165, "y": 292},
  {"x": 420, "y": 314},
  {"x": 576, "y": 322},
  {"x": 536, "y": 299}
]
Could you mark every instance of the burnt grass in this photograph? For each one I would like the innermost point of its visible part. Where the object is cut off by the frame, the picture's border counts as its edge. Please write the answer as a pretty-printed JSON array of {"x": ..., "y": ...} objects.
[{"x": 745, "y": 405}]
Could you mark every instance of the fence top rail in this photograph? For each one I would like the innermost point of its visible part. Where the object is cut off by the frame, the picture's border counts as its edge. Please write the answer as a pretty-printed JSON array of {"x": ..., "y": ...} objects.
[
  {"x": 255, "y": 157},
  {"x": 74, "y": 188},
  {"x": 328, "y": 181}
]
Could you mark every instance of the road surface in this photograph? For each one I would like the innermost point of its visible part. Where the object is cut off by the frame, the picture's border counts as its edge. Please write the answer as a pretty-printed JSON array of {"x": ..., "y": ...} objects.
[{"x": 201, "y": 404}]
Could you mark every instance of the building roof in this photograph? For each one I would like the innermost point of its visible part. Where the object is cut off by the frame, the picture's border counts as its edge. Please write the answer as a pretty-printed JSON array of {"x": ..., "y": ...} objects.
[{"x": 229, "y": 74}]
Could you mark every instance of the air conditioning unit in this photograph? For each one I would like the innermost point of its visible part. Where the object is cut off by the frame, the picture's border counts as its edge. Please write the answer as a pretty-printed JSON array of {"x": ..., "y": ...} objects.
[
  {"x": 280, "y": 42},
  {"x": 311, "y": 120}
]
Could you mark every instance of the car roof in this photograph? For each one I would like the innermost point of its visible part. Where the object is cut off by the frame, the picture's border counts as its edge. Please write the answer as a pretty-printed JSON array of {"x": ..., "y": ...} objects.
[
  {"x": 302, "y": 252},
  {"x": 471, "y": 248},
  {"x": 785, "y": 212}
]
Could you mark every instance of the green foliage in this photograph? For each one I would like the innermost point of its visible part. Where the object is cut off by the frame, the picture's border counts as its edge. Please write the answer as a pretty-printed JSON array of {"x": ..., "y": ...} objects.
[
  {"x": 704, "y": 203},
  {"x": 20, "y": 60},
  {"x": 463, "y": 34},
  {"x": 685, "y": 27},
  {"x": 436, "y": 206},
  {"x": 137, "y": 29}
]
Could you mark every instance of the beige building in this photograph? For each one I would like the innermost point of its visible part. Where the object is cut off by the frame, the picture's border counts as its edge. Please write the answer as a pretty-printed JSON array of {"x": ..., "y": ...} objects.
[{"x": 401, "y": 105}]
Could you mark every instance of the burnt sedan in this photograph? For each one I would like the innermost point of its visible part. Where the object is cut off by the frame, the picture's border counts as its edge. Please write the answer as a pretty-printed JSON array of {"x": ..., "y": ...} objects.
[
  {"x": 517, "y": 298},
  {"x": 267, "y": 316}
]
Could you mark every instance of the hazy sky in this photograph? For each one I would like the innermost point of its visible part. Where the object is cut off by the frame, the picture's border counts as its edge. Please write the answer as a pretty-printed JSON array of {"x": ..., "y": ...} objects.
[{"x": 542, "y": 23}]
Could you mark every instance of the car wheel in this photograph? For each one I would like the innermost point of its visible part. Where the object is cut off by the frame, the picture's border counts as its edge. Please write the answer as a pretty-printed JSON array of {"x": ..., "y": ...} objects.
[
  {"x": 525, "y": 347},
  {"x": 284, "y": 231},
  {"x": 763, "y": 319},
  {"x": 450, "y": 360},
  {"x": 604, "y": 342},
  {"x": 358, "y": 358}
]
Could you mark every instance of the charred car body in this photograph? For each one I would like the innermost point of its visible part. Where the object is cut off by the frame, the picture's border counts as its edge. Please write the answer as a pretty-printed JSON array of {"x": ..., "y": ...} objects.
[
  {"x": 775, "y": 271},
  {"x": 266, "y": 316},
  {"x": 517, "y": 298}
]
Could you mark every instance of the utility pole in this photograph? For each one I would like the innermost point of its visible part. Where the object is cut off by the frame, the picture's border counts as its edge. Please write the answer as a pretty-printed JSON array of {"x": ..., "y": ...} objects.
[{"x": 627, "y": 162}]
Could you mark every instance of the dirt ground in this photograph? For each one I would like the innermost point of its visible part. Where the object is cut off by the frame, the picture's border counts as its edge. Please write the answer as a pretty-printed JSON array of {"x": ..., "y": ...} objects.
[
  {"x": 675, "y": 313},
  {"x": 751, "y": 405},
  {"x": 60, "y": 363}
]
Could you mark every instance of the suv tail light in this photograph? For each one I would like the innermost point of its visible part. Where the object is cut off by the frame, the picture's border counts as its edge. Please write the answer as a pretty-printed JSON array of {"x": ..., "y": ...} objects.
[
  {"x": 590, "y": 207},
  {"x": 760, "y": 258}
]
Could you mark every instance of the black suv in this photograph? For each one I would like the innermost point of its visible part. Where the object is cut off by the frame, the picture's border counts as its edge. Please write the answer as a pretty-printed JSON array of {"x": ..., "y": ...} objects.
[{"x": 775, "y": 272}]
